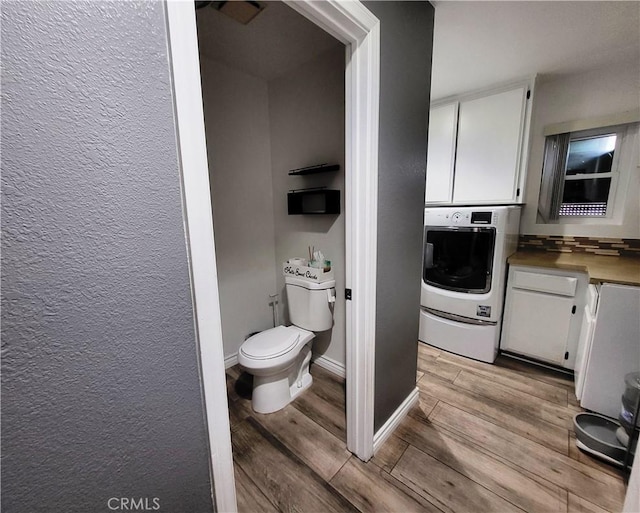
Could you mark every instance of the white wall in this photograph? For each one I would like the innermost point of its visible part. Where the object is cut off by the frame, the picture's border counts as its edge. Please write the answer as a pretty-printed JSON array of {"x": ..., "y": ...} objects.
[
  {"x": 237, "y": 128},
  {"x": 576, "y": 97},
  {"x": 306, "y": 109}
]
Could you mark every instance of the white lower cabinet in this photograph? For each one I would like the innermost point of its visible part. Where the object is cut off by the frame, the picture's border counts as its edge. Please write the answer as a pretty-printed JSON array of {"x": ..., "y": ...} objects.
[
  {"x": 585, "y": 339},
  {"x": 613, "y": 348},
  {"x": 543, "y": 313}
]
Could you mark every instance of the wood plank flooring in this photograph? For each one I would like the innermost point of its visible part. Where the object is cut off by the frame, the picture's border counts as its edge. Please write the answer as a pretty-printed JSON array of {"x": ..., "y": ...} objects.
[{"x": 483, "y": 438}]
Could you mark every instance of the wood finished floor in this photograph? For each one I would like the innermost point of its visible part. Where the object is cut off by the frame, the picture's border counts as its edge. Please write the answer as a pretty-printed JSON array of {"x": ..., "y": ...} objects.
[{"x": 483, "y": 438}]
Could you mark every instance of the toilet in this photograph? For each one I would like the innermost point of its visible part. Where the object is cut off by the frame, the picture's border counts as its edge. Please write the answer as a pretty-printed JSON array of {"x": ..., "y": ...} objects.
[{"x": 278, "y": 358}]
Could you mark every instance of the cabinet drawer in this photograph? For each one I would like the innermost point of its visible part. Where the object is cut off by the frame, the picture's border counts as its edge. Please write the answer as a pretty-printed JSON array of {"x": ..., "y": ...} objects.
[{"x": 549, "y": 283}]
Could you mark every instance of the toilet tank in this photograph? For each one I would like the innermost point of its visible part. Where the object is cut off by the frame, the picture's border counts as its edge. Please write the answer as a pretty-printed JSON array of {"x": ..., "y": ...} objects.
[{"x": 310, "y": 304}]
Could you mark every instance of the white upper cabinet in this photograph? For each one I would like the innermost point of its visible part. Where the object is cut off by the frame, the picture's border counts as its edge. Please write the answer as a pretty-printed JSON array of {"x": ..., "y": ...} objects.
[
  {"x": 478, "y": 148},
  {"x": 488, "y": 152},
  {"x": 441, "y": 151}
]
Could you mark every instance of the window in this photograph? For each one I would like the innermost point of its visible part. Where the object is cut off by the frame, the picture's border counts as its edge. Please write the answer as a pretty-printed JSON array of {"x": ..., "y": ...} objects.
[
  {"x": 580, "y": 173},
  {"x": 587, "y": 179}
]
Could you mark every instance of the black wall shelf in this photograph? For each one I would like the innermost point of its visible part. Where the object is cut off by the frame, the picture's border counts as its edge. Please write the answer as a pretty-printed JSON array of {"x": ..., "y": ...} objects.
[
  {"x": 312, "y": 170},
  {"x": 313, "y": 202}
]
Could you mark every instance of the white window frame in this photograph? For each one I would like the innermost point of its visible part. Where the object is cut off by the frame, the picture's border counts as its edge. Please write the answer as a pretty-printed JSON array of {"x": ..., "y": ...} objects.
[
  {"x": 620, "y": 132},
  {"x": 621, "y": 169}
]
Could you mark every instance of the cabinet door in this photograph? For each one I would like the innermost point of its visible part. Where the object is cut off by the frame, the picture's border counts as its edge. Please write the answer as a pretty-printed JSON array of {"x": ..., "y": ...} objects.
[
  {"x": 537, "y": 325},
  {"x": 489, "y": 147},
  {"x": 615, "y": 348},
  {"x": 584, "y": 348},
  {"x": 441, "y": 148}
]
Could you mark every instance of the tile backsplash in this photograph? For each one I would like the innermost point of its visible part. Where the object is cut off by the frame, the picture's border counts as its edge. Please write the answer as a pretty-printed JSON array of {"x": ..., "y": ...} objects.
[{"x": 567, "y": 244}]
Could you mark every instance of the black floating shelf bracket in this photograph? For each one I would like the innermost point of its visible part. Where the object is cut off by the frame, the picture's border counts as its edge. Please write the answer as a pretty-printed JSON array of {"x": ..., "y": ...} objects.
[{"x": 311, "y": 170}]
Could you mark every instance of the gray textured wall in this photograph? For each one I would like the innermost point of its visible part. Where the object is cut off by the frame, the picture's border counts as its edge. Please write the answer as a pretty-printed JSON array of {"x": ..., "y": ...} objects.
[
  {"x": 405, "y": 69},
  {"x": 100, "y": 385}
]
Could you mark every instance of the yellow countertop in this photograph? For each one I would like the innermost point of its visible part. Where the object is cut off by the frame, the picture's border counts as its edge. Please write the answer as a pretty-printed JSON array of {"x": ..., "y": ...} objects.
[{"x": 610, "y": 269}]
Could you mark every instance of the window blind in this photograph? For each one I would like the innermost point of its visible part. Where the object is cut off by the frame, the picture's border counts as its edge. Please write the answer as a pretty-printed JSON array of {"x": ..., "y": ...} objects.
[{"x": 552, "y": 182}]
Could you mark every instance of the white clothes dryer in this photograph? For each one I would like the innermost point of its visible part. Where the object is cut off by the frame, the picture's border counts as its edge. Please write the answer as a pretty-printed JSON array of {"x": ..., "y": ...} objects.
[{"x": 464, "y": 276}]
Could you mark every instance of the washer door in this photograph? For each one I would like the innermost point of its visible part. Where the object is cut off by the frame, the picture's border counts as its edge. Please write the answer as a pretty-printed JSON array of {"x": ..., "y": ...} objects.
[{"x": 459, "y": 259}]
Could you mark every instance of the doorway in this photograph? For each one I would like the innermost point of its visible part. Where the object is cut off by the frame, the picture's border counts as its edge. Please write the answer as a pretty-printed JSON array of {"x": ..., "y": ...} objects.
[
  {"x": 356, "y": 27},
  {"x": 273, "y": 96}
]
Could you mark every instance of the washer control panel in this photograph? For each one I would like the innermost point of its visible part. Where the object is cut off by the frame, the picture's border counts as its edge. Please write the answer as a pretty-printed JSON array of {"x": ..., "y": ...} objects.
[
  {"x": 460, "y": 218},
  {"x": 481, "y": 218}
]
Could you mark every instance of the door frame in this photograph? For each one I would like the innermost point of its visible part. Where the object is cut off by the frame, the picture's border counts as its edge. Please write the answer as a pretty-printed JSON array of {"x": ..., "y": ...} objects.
[{"x": 355, "y": 26}]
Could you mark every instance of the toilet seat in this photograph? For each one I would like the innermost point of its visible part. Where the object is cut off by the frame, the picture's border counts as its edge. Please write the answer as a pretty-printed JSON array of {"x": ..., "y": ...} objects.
[{"x": 271, "y": 343}]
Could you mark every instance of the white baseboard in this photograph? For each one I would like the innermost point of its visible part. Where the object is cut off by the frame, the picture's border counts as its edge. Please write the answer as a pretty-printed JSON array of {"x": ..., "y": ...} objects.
[
  {"x": 230, "y": 361},
  {"x": 392, "y": 423},
  {"x": 331, "y": 365}
]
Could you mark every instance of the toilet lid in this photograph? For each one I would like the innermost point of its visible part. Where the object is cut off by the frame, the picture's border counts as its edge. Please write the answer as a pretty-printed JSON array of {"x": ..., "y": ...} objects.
[{"x": 270, "y": 343}]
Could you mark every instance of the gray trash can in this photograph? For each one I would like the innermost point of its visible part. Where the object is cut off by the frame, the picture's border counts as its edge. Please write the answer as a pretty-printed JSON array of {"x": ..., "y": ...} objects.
[{"x": 629, "y": 410}]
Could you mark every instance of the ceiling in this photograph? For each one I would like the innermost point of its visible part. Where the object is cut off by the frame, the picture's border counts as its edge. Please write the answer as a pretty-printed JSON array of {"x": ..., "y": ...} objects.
[
  {"x": 477, "y": 44},
  {"x": 480, "y": 44},
  {"x": 274, "y": 42}
]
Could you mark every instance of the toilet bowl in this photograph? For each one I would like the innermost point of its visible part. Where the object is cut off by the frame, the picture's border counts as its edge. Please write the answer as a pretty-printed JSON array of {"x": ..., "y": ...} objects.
[
  {"x": 278, "y": 358},
  {"x": 279, "y": 361}
]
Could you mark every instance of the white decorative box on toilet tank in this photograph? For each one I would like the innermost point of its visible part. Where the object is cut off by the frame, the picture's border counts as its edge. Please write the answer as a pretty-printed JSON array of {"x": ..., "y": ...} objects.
[{"x": 314, "y": 274}]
